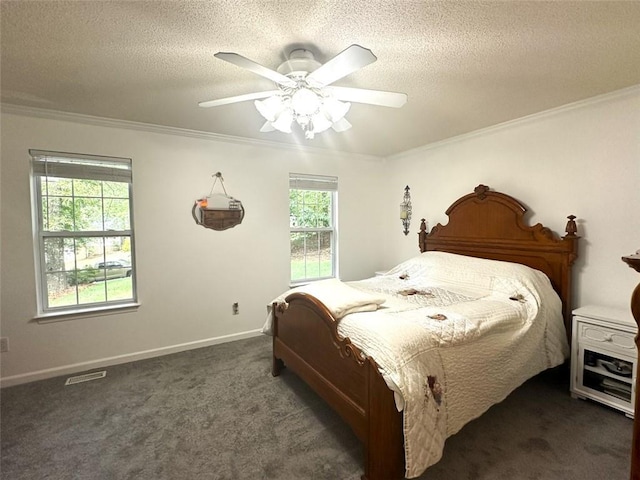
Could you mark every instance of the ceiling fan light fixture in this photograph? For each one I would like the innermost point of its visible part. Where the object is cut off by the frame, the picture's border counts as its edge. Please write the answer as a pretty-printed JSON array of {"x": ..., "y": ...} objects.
[
  {"x": 313, "y": 112},
  {"x": 305, "y": 102},
  {"x": 270, "y": 108},
  {"x": 284, "y": 121},
  {"x": 320, "y": 122},
  {"x": 335, "y": 110}
]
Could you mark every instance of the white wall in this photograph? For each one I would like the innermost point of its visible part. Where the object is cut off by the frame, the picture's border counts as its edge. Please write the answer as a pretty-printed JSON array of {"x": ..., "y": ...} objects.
[
  {"x": 583, "y": 159},
  {"x": 188, "y": 276}
]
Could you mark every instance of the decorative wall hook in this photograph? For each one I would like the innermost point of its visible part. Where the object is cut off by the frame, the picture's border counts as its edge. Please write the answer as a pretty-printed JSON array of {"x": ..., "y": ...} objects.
[{"x": 405, "y": 210}]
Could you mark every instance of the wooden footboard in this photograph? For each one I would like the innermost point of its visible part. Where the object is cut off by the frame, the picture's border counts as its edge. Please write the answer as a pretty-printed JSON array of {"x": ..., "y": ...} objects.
[{"x": 306, "y": 340}]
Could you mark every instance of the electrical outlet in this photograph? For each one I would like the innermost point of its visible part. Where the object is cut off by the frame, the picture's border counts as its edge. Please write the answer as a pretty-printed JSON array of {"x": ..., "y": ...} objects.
[
  {"x": 4, "y": 344},
  {"x": 235, "y": 308}
]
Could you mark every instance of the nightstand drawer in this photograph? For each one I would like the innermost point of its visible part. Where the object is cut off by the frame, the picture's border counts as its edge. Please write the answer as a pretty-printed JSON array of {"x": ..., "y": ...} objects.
[{"x": 607, "y": 337}]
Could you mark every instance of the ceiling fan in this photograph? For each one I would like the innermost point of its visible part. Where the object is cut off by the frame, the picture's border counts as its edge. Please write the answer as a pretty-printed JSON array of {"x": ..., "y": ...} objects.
[{"x": 304, "y": 92}]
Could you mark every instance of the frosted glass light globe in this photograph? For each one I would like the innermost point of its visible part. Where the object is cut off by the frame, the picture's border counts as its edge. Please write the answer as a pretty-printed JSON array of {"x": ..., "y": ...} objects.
[{"x": 305, "y": 102}]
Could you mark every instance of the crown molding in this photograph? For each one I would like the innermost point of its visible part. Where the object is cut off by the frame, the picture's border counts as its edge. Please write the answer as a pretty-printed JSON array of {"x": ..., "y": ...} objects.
[
  {"x": 183, "y": 132},
  {"x": 617, "y": 94},
  {"x": 14, "y": 109}
]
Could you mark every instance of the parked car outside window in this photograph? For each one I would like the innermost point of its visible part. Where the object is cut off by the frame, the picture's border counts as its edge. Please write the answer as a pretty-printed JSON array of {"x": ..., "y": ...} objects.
[{"x": 112, "y": 269}]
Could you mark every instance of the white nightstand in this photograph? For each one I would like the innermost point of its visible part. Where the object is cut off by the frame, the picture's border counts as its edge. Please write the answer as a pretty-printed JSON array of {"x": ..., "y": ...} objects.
[{"x": 603, "y": 357}]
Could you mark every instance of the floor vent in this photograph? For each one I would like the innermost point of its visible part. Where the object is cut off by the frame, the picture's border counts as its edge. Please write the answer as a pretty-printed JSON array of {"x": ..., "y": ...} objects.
[{"x": 86, "y": 377}]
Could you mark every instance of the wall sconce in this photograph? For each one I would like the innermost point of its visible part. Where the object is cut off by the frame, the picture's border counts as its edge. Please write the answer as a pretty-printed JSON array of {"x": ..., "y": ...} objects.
[{"x": 405, "y": 210}]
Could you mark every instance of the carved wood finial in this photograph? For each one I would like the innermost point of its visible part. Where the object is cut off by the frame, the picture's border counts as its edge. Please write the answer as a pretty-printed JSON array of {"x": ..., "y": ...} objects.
[
  {"x": 422, "y": 236},
  {"x": 571, "y": 228},
  {"x": 481, "y": 191},
  {"x": 633, "y": 261}
]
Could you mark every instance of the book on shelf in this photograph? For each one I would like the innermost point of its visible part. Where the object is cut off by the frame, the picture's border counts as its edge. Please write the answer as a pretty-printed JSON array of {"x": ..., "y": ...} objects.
[{"x": 616, "y": 389}]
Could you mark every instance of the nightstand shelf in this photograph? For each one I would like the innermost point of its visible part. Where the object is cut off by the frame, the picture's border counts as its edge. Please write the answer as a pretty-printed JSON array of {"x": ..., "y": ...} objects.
[
  {"x": 603, "y": 357},
  {"x": 605, "y": 373}
]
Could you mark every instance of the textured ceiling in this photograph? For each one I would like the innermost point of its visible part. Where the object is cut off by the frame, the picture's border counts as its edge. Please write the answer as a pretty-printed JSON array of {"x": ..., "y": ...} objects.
[{"x": 464, "y": 65}]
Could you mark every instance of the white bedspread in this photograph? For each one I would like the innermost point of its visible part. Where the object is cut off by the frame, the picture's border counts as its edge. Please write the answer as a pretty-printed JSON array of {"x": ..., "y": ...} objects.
[
  {"x": 339, "y": 298},
  {"x": 455, "y": 335}
]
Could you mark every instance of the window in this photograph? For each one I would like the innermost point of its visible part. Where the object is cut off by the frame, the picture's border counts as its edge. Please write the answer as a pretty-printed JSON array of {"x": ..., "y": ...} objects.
[
  {"x": 82, "y": 219},
  {"x": 312, "y": 220}
]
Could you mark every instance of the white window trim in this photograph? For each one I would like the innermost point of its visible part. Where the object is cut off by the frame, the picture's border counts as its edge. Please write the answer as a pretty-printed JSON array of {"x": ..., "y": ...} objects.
[
  {"x": 93, "y": 167},
  {"x": 52, "y": 317}
]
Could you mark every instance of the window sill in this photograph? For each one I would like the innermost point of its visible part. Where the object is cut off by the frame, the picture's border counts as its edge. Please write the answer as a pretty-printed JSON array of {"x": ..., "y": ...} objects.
[{"x": 62, "y": 316}]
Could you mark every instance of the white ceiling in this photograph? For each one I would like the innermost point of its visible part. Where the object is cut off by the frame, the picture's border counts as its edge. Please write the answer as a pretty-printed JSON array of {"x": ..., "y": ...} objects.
[{"x": 464, "y": 65}]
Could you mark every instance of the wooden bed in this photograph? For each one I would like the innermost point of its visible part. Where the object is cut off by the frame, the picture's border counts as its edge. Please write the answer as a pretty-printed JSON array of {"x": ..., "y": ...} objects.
[{"x": 482, "y": 224}]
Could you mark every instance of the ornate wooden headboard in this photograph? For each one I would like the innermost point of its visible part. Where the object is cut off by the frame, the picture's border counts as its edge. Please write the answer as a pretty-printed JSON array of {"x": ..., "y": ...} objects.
[{"x": 491, "y": 225}]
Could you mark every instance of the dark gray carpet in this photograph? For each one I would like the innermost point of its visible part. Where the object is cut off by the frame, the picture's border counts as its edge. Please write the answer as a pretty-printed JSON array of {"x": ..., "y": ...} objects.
[{"x": 217, "y": 413}]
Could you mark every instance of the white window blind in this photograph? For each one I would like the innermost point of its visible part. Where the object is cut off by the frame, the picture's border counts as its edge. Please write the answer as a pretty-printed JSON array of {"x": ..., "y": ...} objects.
[
  {"x": 70, "y": 165},
  {"x": 299, "y": 181}
]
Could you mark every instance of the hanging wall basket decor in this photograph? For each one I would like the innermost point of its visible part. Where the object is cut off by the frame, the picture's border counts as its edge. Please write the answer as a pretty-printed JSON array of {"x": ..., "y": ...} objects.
[{"x": 218, "y": 211}]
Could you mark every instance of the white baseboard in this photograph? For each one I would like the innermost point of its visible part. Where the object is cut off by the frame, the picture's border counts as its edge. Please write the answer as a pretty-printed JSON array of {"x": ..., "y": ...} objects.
[{"x": 129, "y": 357}]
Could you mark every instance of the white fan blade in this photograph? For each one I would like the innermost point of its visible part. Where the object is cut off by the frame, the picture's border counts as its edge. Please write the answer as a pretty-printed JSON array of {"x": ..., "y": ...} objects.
[
  {"x": 239, "y": 98},
  {"x": 341, "y": 125},
  {"x": 348, "y": 61},
  {"x": 254, "y": 67},
  {"x": 372, "y": 97},
  {"x": 267, "y": 127}
]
